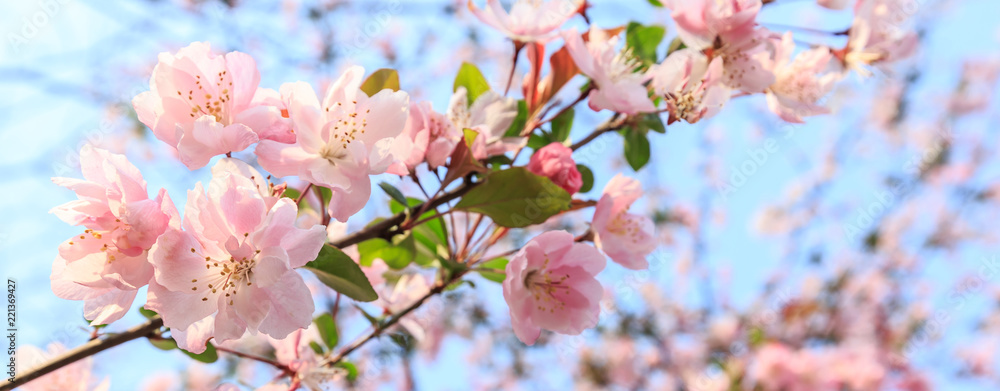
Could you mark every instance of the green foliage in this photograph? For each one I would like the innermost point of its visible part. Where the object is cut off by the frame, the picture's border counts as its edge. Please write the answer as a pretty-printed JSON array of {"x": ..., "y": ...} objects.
[
  {"x": 493, "y": 269},
  {"x": 636, "y": 148},
  {"x": 588, "y": 178},
  {"x": 522, "y": 119},
  {"x": 393, "y": 192},
  {"x": 472, "y": 79},
  {"x": 208, "y": 356},
  {"x": 327, "y": 330},
  {"x": 643, "y": 40},
  {"x": 352, "y": 371},
  {"x": 339, "y": 272},
  {"x": 380, "y": 80},
  {"x": 163, "y": 343},
  {"x": 431, "y": 237},
  {"x": 561, "y": 126},
  {"x": 516, "y": 198},
  {"x": 148, "y": 314},
  {"x": 397, "y": 253}
]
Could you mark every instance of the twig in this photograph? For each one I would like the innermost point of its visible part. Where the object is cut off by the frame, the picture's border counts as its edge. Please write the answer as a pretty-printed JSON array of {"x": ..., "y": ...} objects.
[
  {"x": 392, "y": 321},
  {"x": 612, "y": 124},
  {"x": 248, "y": 356},
  {"x": 88, "y": 349}
]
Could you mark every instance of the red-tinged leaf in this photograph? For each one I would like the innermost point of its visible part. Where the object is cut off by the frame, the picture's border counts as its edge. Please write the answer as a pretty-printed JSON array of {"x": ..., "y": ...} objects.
[{"x": 462, "y": 161}]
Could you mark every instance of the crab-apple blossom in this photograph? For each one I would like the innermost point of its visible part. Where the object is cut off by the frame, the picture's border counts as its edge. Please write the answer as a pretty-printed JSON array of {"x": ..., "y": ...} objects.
[
  {"x": 690, "y": 85},
  {"x": 296, "y": 352},
  {"x": 625, "y": 237},
  {"x": 106, "y": 264},
  {"x": 703, "y": 23},
  {"x": 528, "y": 20},
  {"x": 231, "y": 270},
  {"x": 203, "y": 104},
  {"x": 432, "y": 135},
  {"x": 799, "y": 83},
  {"x": 618, "y": 85},
  {"x": 834, "y": 4},
  {"x": 550, "y": 285},
  {"x": 490, "y": 115},
  {"x": 876, "y": 36},
  {"x": 555, "y": 161},
  {"x": 340, "y": 142}
]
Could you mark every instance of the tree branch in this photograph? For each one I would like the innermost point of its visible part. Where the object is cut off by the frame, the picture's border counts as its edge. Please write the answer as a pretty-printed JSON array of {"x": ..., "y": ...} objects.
[
  {"x": 85, "y": 350},
  {"x": 392, "y": 321},
  {"x": 612, "y": 124}
]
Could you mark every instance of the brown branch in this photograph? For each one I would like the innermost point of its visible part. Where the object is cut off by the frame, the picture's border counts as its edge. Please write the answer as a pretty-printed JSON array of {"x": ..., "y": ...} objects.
[
  {"x": 612, "y": 124},
  {"x": 382, "y": 327},
  {"x": 88, "y": 349},
  {"x": 387, "y": 228}
]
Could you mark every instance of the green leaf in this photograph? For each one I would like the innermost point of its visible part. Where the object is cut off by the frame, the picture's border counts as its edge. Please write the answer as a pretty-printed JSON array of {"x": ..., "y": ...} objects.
[
  {"x": 561, "y": 125},
  {"x": 316, "y": 348},
  {"x": 643, "y": 40},
  {"x": 352, "y": 371},
  {"x": 655, "y": 3},
  {"x": 397, "y": 254},
  {"x": 393, "y": 192},
  {"x": 291, "y": 193},
  {"x": 472, "y": 79},
  {"x": 149, "y": 314},
  {"x": 636, "y": 148},
  {"x": 327, "y": 330},
  {"x": 516, "y": 198},
  {"x": 497, "y": 264},
  {"x": 536, "y": 141},
  {"x": 338, "y": 271},
  {"x": 208, "y": 356},
  {"x": 588, "y": 178},
  {"x": 651, "y": 121},
  {"x": 522, "y": 118},
  {"x": 380, "y": 80},
  {"x": 429, "y": 235},
  {"x": 164, "y": 343}
]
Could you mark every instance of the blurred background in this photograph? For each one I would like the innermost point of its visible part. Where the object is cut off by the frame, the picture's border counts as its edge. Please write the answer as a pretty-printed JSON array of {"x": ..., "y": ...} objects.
[{"x": 878, "y": 219}]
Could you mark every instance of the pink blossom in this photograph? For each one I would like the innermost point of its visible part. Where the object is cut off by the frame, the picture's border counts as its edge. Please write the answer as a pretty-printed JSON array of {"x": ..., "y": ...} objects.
[
  {"x": 625, "y": 237},
  {"x": 613, "y": 71},
  {"x": 747, "y": 63},
  {"x": 834, "y": 4},
  {"x": 550, "y": 284},
  {"x": 490, "y": 115},
  {"x": 204, "y": 105},
  {"x": 106, "y": 264},
  {"x": 295, "y": 352},
  {"x": 691, "y": 85},
  {"x": 876, "y": 36},
  {"x": 555, "y": 161},
  {"x": 700, "y": 23},
  {"x": 528, "y": 20},
  {"x": 799, "y": 84},
  {"x": 277, "y": 126},
  {"x": 433, "y": 136},
  {"x": 341, "y": 142},
  {"x": 231, "y": 269},
  {"x": 76, "y": 376}
]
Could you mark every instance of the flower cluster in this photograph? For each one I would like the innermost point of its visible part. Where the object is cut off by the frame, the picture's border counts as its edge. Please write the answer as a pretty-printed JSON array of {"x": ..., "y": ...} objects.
[{"x": 228, "y": 268}]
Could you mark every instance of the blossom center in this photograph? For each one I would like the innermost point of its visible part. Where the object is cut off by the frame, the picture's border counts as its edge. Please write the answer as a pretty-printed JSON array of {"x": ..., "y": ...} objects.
[
  {"x": 233, "y": 273},
  {"x": 203, "y": 102},
  {"x": 544, "y": 286}
]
